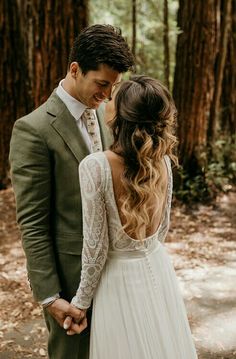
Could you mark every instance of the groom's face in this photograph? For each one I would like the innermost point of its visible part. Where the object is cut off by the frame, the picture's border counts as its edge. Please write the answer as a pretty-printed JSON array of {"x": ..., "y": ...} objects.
[{"x": 95, "y": 86}]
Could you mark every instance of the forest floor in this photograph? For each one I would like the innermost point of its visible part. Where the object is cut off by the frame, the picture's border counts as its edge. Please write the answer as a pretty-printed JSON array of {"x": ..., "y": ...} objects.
[{"x": 202, "y": 245}]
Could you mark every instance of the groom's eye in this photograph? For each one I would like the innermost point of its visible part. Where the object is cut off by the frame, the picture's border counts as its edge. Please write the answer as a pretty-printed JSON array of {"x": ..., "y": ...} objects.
[{"x": 101, "y": 84}]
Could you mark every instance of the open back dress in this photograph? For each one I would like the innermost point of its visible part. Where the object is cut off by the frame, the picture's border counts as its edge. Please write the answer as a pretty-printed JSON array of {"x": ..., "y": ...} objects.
[{"x": 138, "y": 311}]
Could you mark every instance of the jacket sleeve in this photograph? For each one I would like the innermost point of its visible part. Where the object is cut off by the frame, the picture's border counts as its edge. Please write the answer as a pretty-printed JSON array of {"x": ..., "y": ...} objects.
[
  {"x": 95, "y": 230},
  {"x": 31, "y": 180}
]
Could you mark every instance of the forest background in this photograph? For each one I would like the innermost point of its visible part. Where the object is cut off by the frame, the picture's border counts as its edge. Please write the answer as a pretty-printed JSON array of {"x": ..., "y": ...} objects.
[{"x": 190, "y": 45}]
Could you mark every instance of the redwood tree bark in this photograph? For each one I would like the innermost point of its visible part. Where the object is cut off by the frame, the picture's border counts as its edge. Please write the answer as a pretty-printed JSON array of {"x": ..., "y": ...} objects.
[
  {"x": 228, "y": 97},
  {"x": 35, "y": 40},
  {"x": 194, "y": 78},
  {"x": 219, "y": 71},
  {"x": 49, "y": 30},
  {"x": 134, "y": 25},
  {"x": 13, "y": 78},
  {"x": 166, "y": 44}
]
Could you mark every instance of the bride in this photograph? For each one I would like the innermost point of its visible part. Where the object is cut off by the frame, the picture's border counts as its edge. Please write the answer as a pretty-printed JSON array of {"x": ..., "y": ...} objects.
[{"x": 138, "y": 311}]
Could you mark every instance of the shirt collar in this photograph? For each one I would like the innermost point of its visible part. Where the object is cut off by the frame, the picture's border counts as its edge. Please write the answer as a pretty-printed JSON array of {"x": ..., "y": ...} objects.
[{"x": 75, "y": 107}]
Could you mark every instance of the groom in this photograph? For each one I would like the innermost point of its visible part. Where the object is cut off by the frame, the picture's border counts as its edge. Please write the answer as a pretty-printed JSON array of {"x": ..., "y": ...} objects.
[{"x": 46, "y": 148}]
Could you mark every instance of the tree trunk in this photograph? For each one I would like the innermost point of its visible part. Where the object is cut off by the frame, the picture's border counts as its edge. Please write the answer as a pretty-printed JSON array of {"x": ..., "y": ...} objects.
[
  {"x": 49, "y": 29},
  {"x": 166, "y": 45},
  {"x": 194, "y": 79},
  {"x": 13, "y": 77},
  {"x": 228, "y": 97},
  {"x": 220, "y": 64},
  {"x": 134, "y": 24},
  {"x": 36, "y": 37}
]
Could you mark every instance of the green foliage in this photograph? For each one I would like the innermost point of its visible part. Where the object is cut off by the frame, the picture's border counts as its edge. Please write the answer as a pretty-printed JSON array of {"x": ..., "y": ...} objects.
[
  {"x": 149, "y": 38},
  {"x": 222, "y": 167},
  {"x": 219, "y": 176},
  {"x": 190, "y": 189}
]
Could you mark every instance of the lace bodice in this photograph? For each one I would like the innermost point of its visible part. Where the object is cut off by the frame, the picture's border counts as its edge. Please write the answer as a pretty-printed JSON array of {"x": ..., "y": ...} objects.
[{"x": 102, "y": 228}]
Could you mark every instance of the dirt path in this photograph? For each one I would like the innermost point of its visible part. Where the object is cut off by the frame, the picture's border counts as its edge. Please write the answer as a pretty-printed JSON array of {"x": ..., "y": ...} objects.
[
  {"x": 205, "y": 261},
  {"x": 202, "y": 245}
]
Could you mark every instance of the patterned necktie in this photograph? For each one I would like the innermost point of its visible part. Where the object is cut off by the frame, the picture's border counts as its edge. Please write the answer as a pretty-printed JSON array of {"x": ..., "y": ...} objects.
[{"x": 92, "y": 126}]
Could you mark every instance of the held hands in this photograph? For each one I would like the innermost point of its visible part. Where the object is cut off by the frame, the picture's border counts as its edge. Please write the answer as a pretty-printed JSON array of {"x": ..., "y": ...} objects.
[
  {"x": 68, "y": 316},
  {"x": 77, "y": 324}
]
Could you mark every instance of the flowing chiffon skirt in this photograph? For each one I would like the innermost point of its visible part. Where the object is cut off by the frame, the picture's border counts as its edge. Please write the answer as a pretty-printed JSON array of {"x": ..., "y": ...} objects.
[{"x": 138, "y": 310}]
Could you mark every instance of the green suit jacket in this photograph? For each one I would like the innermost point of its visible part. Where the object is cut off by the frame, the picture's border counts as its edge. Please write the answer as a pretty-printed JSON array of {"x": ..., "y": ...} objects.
[{"x": 45, "y": 151}]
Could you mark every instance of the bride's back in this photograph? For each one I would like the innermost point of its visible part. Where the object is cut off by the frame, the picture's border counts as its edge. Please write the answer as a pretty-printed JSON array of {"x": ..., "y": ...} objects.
[{"x": 156, "y": 206}]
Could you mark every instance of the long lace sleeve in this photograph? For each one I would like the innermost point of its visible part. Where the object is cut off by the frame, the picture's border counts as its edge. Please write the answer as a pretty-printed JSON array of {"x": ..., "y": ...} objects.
[
  {"x": 95, "y": 230},
  {"x": 166, "y": 220}
]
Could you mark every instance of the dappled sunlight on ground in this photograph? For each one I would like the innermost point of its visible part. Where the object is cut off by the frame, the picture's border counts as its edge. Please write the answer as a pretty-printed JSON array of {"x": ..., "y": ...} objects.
[
  {"x": 202, "y": 245},
  {"x": 204, "y": 255},
  {"x": 210, "y": 297}
]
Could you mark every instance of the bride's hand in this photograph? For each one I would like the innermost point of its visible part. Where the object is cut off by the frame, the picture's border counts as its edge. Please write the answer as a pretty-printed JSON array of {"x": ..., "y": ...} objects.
[
  {"x": 77, "y": 328},
  {"x": 76, "y": 324}
]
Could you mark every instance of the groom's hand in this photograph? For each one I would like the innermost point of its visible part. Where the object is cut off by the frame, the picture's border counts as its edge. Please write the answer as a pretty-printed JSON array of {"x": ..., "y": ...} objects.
[
  {"x": 77, "y": 324},
  {"x": 60, "y": 309}
]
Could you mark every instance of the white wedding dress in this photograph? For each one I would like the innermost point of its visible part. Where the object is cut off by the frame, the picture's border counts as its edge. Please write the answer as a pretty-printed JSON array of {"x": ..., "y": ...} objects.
[{"x": 138, "y": 311}]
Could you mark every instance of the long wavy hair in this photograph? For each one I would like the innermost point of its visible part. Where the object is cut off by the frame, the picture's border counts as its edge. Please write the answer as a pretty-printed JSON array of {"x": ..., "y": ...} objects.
[{"x": 143, "y": 130}]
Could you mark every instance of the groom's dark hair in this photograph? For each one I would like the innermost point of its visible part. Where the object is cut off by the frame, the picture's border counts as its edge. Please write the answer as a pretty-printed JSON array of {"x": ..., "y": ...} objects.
[{"x": 101, "y": 44}]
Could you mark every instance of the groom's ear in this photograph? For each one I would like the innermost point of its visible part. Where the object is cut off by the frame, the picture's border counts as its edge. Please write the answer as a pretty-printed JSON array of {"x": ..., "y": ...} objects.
[{"x": 74, "y": 69}]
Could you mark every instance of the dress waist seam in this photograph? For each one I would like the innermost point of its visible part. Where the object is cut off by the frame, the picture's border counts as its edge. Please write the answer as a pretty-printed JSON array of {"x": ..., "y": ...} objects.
[{"x": 134, "y": 254}]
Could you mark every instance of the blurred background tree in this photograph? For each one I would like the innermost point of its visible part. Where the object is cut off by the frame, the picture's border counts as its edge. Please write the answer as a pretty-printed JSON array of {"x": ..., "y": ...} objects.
[
  {"x": 35, "y": 40},
  {"x": 149, "y": 47},
  {"x": 188, "y": 45},
  {"x": 194, "y": 82},
  {"x": 207, "y": 152}
]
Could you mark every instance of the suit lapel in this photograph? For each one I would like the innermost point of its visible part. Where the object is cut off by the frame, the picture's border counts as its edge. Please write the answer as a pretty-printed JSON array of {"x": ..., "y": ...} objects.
[{"x": 66, "y": 127}]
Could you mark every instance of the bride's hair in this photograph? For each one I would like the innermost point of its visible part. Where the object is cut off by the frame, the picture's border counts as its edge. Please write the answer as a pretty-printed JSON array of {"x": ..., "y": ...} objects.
[{"x": 143, "y": 130}]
